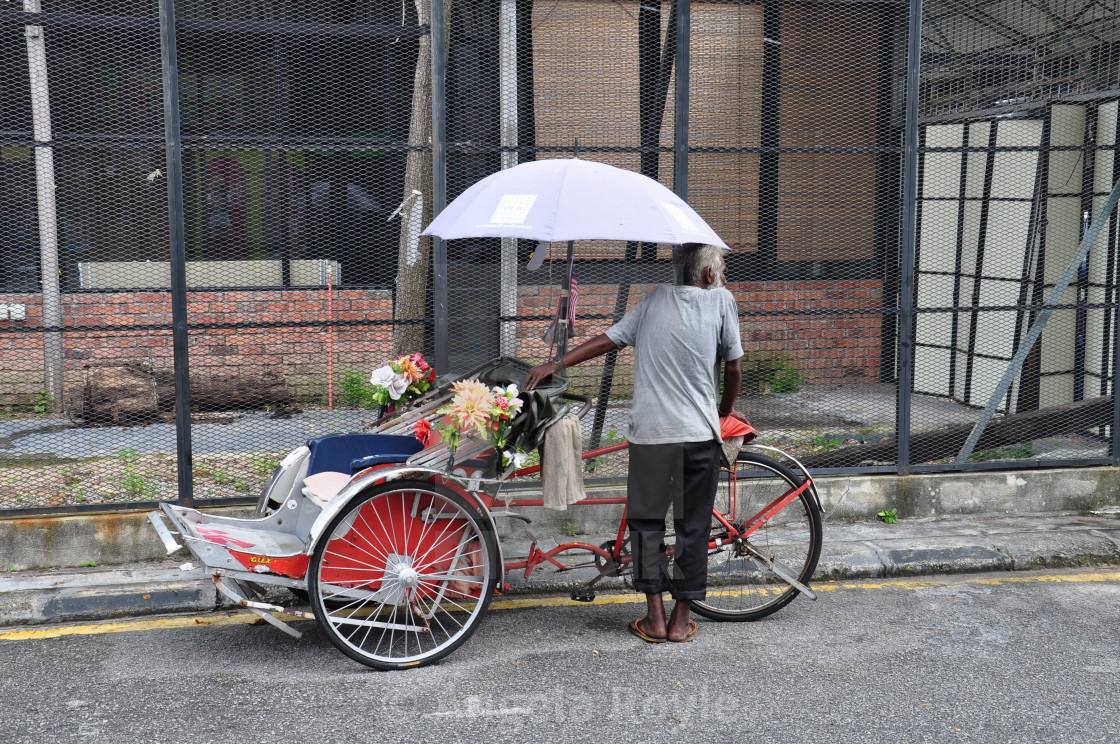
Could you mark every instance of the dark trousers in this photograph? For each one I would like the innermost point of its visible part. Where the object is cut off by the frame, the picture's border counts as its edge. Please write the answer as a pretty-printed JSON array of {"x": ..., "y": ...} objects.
[{"x": 683, "y": 476}]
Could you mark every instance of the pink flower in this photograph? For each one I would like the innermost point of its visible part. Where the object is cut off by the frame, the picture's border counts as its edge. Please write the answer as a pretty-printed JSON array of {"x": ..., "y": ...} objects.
[{"x": 502, "y": 402}]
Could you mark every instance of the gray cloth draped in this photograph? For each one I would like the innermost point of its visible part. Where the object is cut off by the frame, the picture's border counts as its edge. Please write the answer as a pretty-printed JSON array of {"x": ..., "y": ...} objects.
[{"x": 562, "y": 464}]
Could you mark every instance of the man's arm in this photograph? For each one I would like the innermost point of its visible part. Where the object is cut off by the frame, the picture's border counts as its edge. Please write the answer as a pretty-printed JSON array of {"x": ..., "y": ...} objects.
[
  {"x": 732, "y": 379},
  {"x": 597, "y": 346}
]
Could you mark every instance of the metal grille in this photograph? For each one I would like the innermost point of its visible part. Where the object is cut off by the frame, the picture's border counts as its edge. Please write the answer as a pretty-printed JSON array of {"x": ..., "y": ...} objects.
[
  {"x": 223, "y": 201},
  {"x": 1018, "y": 132}
]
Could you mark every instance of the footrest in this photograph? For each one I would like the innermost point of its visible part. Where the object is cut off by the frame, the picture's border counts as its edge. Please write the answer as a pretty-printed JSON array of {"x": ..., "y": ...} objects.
[
  {"x": 165, "y": 535},
  {"x": 226, "y": 533}
]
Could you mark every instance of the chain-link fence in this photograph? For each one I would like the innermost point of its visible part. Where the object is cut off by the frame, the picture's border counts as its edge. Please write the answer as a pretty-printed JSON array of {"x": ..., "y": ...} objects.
[{"x": 210, "y": 220}]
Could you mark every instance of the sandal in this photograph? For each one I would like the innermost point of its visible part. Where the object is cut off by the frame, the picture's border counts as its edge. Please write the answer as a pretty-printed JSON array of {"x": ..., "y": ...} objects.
[
  {"x": 642, "y": 634},
  {"x": 691, "y": 632}
]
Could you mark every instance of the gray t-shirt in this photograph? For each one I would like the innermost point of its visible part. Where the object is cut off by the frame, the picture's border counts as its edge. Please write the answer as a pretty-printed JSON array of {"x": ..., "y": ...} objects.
[{"x": 680, "y": 334}]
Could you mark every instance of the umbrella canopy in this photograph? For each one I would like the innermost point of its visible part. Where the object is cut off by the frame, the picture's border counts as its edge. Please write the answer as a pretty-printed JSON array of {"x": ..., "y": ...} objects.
[{"x": 568, "y": 199}]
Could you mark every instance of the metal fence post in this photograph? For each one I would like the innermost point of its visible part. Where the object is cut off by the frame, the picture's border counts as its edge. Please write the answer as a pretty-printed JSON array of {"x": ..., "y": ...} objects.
[
  {"x": 439, "y": 182},
  {"x": 46, "y": 209},
  {"x": 909, "y": 237},
  {"x": 507, "y": 106},
  {"x": 1114, "y": 440},
  {"x": 170, "y": 67},
  {"x": 680, "y": 100}
]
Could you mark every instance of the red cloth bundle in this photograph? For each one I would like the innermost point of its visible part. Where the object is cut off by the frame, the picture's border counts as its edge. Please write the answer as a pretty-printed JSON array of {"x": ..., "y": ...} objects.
[{"x": 732, "y": 427}]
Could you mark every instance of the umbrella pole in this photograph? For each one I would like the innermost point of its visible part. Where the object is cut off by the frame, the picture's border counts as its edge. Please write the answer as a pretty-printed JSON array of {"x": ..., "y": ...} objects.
[{"x": 562, "y": 328}]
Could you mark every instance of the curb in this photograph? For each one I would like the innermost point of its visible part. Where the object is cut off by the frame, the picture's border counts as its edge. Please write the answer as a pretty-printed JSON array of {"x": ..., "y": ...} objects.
[
  {"x": 852, "y": 551},
  {"x": 102, "y": 594}
]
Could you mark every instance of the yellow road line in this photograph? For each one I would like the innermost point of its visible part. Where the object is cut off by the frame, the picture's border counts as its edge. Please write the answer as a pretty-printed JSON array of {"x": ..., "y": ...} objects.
[
  {"x": 246, "y": 618},
  {"x": 236, "y": 617}
]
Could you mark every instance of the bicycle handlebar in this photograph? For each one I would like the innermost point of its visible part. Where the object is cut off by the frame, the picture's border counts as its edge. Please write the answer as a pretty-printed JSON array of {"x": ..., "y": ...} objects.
[{"x": 586, "y": 400}]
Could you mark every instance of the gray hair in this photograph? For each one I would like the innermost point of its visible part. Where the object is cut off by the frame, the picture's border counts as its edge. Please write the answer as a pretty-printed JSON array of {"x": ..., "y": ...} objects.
[{"x": 691, "y": 259}]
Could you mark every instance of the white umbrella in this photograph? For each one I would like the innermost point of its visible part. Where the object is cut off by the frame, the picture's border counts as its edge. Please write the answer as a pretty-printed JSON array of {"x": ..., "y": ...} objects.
[
  {"x": 568, "y": 199},
  {"x": 571, "y": 199}
]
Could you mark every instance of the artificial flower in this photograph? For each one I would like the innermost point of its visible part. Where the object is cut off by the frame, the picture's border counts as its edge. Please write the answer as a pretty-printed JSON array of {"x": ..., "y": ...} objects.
[
  {"x": 408, "y": 367},
  {"x": 488, "y": 413},
  {"x": 514, "y": 458},
  {"x": 395, "y": 383},
  {"x": 470, "y": 405},
  {"x": 422, "y": 429},
  {"x": 402, "y": 380}
]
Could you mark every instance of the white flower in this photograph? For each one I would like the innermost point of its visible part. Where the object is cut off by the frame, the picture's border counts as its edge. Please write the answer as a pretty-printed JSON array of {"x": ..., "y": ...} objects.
[
  {"x": 395, "y": 383},
  {"x": 516, "y": 458},
  {"x": 382, "y": 376},
  {"x": 397, "y": 387}
]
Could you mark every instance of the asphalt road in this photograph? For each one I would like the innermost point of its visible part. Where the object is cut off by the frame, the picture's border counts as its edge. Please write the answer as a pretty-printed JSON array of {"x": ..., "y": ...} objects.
[{"x": 992, "y": 658}]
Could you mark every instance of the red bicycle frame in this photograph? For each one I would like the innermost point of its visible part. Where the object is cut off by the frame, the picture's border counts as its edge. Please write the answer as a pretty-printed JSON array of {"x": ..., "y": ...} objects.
[{"x": 537, "y": 556}]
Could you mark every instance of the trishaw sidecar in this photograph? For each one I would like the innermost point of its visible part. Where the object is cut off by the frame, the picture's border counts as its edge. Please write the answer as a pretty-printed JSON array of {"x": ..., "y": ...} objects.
[{"x": 396, "y": 553}]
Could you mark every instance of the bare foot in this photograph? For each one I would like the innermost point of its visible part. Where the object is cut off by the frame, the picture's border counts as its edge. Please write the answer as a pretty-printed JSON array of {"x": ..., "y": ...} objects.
[
  {"x": 680, "y": 628},
  {"x": 654, "y": 623}
]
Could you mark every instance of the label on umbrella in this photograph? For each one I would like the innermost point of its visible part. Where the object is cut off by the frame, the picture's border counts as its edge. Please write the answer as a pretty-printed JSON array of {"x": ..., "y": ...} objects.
[
  {"x": 682, "y": 219},
  {"x": 513, "y": 209}
]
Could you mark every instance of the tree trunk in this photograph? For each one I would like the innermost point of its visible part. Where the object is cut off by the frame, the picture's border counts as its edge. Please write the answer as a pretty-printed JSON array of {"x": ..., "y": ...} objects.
[
  {"x": 116, "y": 394},
  {"x": 123, "y": 393},
  {"x": 225, "y": 392},
  {"x": 413, "y": 251}
]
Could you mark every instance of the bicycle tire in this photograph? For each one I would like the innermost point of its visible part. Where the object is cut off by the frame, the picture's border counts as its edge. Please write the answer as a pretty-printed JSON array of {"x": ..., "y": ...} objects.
[
  {"x": 403, "y": 575},
  {"x": 739, "y": 587}
]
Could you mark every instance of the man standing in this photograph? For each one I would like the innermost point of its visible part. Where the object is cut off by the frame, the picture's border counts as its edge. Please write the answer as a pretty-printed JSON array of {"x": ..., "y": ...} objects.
[{"x": 680, "y": 335}]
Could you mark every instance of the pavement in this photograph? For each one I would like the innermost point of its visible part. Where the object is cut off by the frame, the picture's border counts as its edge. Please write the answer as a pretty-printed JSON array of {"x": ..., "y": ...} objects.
[{"x": 854, "y": 549}]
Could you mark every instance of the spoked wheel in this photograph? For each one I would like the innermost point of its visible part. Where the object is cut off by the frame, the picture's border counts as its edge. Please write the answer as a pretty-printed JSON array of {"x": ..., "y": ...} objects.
[
  {"x": 403, "y": 574},
  {"x": 742, "y": 579}
]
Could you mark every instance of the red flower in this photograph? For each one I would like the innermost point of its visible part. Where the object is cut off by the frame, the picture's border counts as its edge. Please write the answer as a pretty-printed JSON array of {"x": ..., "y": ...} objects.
[
  {"x": 422, "y": 430},
  {"x": 502, "y": 402}
]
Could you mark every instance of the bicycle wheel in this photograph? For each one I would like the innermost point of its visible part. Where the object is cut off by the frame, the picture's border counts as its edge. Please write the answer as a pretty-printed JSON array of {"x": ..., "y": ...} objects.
[
  {"x": 740, "y": 585},
  {"x": 403, "y": 574}
]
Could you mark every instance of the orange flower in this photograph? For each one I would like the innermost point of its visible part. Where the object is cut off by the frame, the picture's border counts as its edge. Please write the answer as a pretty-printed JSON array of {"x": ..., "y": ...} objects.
[
  {"x": 410, "y": 369},
  {"x": 471, "y": 404}
]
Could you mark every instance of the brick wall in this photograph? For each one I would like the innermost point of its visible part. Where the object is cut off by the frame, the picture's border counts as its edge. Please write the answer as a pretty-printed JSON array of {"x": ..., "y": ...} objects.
[
  {"x": 828, "y": 346},
  {"x": 300, "y": 353},
  {"x": 834, "y": 344}
]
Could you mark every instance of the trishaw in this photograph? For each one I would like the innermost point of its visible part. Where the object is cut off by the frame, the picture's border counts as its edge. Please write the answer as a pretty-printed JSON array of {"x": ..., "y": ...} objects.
[{"x": 394, "y": 543}]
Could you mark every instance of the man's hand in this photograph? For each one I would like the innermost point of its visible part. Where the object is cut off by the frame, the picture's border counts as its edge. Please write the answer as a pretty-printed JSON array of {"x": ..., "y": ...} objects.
[
  {"x": 738, "y": 417},
  {"x": 597, "y": 346},
  {"x": 538, "y": 373}
]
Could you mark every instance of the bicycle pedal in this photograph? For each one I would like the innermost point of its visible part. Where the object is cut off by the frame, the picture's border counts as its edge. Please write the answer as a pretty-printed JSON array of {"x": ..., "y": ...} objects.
[{"x": 583, "y": 596}]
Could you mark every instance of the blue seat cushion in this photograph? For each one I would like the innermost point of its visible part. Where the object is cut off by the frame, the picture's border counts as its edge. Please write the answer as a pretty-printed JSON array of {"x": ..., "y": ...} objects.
[
  {"x": 369, "y": 461},
  {"x": 348, "y": 453}
]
